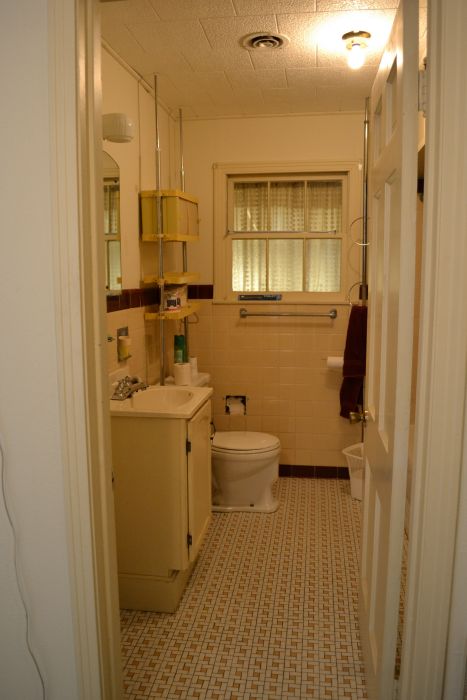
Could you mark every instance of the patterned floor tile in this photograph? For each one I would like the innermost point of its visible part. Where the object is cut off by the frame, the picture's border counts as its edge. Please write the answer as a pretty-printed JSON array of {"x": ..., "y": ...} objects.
[{"x": 270, "y": 611}]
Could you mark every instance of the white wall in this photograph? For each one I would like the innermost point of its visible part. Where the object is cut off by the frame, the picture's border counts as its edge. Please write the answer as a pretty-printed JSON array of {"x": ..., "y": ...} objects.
[
  {"x": 329, "y": 137},
  {"x": 30, "y": 422}
]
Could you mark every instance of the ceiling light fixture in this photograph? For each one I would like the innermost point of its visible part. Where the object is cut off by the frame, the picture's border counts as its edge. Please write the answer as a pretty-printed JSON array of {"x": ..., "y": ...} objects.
[{"x": 356, "y": 43}]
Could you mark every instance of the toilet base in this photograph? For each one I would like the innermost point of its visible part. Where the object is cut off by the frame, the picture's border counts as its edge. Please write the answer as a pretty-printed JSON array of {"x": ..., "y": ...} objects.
[{"x": 269, "y": 508}]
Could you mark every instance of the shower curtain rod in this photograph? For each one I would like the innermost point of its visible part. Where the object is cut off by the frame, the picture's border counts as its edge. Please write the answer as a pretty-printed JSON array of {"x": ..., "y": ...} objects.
[{"x": 325, "y": 314}]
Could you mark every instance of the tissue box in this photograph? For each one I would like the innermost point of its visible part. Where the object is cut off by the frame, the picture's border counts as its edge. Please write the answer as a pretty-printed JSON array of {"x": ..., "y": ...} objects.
[{"x": 174, "y": 297}]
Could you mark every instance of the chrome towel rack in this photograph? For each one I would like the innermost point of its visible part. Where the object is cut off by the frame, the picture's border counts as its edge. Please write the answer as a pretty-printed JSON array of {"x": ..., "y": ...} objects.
[{"x": 332, "y": 313}]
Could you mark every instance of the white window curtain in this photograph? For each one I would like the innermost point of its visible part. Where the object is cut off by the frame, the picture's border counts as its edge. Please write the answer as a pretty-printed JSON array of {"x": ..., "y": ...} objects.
[
  {"x": 250, "y": 206},
  {"x": 324, "y": 207},
  {"x": 114, "y": 270},
  {"x": 287, "y": 206},
  {"x": 111, "y": 209},
  {"x": 249, "y": 265},
  {"x": 285, "y": 265},
  {"x": 324, "y": 265}
]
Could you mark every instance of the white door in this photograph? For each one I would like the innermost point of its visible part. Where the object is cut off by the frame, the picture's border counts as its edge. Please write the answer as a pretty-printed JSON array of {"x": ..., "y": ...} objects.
[{"x": 392, "y": 211}]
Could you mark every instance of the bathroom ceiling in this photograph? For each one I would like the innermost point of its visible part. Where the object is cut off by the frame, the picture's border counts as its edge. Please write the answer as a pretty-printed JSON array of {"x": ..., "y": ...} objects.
[{"x": 195, "y": 47}]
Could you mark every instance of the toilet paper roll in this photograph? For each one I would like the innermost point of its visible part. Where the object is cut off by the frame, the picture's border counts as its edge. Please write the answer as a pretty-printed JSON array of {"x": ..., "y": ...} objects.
[
  {"x": 236, "y": 409},
  {"x": 335, "y": 362},
  {"x": 182, "y": 373},
  {"x": 123, "y": 347},
  {"x": 194, "y": 366}
]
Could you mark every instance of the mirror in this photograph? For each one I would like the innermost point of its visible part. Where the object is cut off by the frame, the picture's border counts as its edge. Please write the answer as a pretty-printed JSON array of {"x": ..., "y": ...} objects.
[{"x": 113, "y": 265}]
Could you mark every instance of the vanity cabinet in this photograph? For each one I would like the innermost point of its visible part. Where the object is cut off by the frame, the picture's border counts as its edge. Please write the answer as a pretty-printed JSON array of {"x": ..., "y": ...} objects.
[{"x": 162, "y": 487}]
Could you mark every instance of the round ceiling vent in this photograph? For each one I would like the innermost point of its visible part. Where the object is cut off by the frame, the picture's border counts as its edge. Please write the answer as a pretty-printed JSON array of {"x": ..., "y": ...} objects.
[{"x": 263, "y": 40}]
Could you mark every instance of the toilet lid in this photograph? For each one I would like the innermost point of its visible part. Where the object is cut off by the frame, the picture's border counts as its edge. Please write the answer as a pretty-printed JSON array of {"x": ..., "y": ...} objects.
[{"x": 244, "y": 441}]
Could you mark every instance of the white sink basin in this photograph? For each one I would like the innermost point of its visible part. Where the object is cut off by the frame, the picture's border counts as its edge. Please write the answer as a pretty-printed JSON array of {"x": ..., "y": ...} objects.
[
  {"x": 162, "y": 402},
  {"x": 161, "y": 398}
]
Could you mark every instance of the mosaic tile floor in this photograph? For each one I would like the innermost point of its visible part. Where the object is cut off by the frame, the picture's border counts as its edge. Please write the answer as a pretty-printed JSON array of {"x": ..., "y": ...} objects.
[{"x": 270, "y": 611}]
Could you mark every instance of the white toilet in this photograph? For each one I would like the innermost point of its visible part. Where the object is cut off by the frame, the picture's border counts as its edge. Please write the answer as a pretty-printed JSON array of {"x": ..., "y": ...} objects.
[{"x": 245, "y": 465}]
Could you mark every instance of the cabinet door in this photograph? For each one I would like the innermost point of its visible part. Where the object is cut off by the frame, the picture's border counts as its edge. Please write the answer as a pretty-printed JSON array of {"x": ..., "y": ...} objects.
[{"x": 199, "y": 478}]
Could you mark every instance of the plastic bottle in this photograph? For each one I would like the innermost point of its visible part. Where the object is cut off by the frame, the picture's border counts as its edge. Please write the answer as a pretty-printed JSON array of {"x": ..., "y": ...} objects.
[{"x": 179, "y": 348}]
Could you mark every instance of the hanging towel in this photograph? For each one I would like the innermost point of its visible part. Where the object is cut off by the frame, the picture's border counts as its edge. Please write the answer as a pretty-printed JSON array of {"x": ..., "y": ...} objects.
[{"x": 351, "y": 393}]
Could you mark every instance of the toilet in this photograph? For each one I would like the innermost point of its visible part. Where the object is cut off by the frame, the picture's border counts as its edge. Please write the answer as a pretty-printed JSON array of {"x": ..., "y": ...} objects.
[{"x": 245, "y": 465}]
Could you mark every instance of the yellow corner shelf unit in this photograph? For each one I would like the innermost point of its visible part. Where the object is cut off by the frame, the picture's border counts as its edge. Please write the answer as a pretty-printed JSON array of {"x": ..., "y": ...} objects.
[
  {"x": 182, "y": 312},
  {"x": 172, "y": 278},
  {"x": 169, "y": 216},
  {"x": 180, "y": 221}
]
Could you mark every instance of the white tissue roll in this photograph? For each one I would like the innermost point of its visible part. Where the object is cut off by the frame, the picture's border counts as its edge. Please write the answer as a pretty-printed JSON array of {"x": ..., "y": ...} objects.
[
  {"x": 182, "y": 373},
  {"x": 236, "y": 407},
  {"x": 335, "y": 362},
  {"x": 194, "y": 366},
  {"x": 123, "y": 347}
]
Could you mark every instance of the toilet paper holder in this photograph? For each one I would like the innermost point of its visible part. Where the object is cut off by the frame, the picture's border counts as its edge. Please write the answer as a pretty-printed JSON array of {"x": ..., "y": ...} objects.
[{"x": 235, "y": 405}]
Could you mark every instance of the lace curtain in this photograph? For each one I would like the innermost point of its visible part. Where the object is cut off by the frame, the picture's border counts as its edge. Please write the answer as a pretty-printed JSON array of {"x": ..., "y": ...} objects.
[
  {"x": 111, "y": 209},
  {"x": 287, "y": 206},
  {"x": 249, "y": 265},
  {"x": 324, "y": 207},
  {"x": 250, "y": 206},
  {"x": 287, "y": 264},
  {"x": 114, "y": 270},
  {"x": 323, "y": 270}
]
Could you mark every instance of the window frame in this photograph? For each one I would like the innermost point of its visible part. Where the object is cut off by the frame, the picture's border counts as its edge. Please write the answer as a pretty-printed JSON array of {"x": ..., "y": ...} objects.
[{"x": 225, "y": 174}]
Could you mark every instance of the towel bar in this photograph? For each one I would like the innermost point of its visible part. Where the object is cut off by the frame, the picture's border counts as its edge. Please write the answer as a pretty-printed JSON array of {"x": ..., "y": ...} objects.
[{"x": 325, "y": 314}]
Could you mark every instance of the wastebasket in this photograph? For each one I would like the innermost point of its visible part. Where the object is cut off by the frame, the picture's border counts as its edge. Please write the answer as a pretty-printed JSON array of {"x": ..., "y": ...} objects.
[{"x": 354, "y": 457}]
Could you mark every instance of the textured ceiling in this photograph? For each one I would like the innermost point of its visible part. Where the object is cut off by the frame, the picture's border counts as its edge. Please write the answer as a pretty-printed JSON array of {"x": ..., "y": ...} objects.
[{"x": 195, "y": 48}]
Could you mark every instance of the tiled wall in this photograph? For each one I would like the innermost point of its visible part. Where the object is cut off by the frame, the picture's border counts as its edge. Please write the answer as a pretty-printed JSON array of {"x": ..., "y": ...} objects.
[
  {"x": 280, "y": 365},
  {"x": 145, "y": 350}
]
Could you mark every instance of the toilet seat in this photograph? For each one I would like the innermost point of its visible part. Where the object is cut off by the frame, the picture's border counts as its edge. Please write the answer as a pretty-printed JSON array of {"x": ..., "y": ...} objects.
[{"x": 244, "y": 442}]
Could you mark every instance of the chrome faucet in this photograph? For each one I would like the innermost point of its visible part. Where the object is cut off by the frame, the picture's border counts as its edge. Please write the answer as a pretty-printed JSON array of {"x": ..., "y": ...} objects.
[{"x": 126, "y": 387}]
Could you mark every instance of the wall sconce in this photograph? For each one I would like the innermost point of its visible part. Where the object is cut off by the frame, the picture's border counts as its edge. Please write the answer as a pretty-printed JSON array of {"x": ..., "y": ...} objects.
[
  {"x": 356, "y": 43},
  {"x": 117, "y": 127}
]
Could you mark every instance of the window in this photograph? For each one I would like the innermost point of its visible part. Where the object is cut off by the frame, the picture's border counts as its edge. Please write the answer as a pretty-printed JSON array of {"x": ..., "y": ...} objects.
[
  {"x": 112, "y": 233},
  {"x": 284, "y": 233}
]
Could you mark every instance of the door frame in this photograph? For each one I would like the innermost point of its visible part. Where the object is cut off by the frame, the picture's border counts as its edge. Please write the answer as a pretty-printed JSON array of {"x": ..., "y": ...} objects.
[
  {"x": 440, "y": 417},
  {"x": 439, "y": 462},
  {"x": 79, "y": 289}
]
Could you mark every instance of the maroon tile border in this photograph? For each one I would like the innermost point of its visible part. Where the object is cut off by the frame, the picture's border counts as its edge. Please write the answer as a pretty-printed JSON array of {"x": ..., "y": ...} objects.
[
  {"x": 313, "y": 472},
  {"x": 133, "y": 298},
  {"x": 200, "y": 291}
]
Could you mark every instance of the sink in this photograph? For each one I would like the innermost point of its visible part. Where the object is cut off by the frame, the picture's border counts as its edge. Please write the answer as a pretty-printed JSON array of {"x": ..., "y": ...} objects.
[
  {"x": 162, "y": 402},
  {"x": 160, "y": 398}
]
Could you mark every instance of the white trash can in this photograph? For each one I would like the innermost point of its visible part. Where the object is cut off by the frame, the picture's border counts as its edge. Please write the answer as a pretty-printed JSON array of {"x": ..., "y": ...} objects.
[{"x": 354, "y": 457}]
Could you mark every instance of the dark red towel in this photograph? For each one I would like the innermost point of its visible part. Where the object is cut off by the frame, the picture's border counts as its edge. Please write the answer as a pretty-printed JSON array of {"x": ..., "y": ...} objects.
[{"x": 351, "y": 393}]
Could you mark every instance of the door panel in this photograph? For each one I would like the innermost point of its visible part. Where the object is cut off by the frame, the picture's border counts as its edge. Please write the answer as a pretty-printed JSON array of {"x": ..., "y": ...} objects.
[
  {"x": 392, "y": 199},
  {"x": 199, "y": 478}
]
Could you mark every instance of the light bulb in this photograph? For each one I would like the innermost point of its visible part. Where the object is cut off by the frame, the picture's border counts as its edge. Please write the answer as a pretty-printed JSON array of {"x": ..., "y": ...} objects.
[
  {"x": 356, "y": 43},
  {"x": 356, "y": 57}
]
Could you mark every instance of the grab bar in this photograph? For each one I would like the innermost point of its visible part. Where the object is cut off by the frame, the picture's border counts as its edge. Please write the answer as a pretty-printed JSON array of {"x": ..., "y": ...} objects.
[{"x": 327, "y": 314}]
